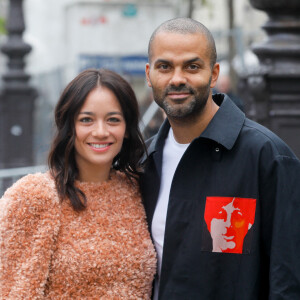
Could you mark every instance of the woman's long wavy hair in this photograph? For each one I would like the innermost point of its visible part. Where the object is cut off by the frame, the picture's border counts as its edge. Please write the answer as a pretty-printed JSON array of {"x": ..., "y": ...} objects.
[{"x": 61, "y": 159}]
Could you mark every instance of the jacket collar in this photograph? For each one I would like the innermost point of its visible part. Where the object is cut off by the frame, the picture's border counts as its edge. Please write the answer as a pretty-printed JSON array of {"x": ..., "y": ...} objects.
[
  {"x": 224, "y": 127},
  {"x": 159, "y": 139}
]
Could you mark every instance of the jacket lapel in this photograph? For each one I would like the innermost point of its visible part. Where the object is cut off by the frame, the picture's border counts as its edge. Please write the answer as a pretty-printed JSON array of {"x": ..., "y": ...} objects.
[{"x": 150, "y": 179}]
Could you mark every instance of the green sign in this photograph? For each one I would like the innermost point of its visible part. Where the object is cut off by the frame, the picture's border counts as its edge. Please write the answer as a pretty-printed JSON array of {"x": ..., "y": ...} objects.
[
  {"x": 129, "y": 10},
  {"x": 2, "y": 26}
]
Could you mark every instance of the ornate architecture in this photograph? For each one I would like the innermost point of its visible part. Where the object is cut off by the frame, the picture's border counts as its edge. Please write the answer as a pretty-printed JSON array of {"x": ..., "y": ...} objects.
[
  {"x": 273, "y": 97},
  {"x": 16, "y": 97}
]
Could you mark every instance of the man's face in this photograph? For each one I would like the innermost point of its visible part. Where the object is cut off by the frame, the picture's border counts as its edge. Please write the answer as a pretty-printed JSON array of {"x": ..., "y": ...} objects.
[
  {"x": 180, "y": 74},
  {"x": 229, "y": 220}
]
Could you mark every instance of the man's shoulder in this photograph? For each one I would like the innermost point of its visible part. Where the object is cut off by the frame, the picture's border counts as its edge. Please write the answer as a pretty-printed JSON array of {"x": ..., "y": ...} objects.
[
  {"x": 149, "y": 141},
  {"x": 260, "y": 137}
]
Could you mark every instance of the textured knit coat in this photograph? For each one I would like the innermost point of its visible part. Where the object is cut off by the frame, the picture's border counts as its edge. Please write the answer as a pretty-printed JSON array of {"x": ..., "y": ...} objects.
[{"x": 50, "y": 251}]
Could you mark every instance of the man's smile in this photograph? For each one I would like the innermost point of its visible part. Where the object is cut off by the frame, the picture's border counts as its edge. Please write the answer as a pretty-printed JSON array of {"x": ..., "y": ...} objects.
[{"x": 178, "y": 95}]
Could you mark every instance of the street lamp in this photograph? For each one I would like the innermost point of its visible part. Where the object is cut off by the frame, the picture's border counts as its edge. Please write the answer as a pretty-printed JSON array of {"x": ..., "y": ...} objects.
[
  {"x": 16, "y": 97},
  {"x": 274, "y": 90}
]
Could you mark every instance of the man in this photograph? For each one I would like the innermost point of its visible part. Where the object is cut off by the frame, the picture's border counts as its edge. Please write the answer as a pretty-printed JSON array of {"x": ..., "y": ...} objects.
[{"x": 208, "y": 156}]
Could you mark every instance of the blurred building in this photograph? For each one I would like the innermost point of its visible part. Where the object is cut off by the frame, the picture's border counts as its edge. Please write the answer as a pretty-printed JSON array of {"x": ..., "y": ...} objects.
[
  {"x": 3, "y": 11},
  {"x": 68, "y": 36}
]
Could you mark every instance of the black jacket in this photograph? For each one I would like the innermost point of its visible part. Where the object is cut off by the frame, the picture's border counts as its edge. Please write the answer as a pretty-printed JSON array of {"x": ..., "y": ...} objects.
[{"x": 233, "y": 157}]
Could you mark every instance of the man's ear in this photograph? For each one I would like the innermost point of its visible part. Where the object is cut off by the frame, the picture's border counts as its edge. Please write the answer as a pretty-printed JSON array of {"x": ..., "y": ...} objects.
[
  {"x": 147, "y": 71},
  {"x": 215, "y": 75}
]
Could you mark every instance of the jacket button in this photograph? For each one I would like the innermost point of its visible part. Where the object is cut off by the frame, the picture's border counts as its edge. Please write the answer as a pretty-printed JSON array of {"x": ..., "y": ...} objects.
[{"x": 217, "y": 149}]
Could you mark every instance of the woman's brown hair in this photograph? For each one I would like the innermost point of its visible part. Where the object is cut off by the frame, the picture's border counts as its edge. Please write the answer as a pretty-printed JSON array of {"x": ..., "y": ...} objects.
[{"x": 61, "y": 159}]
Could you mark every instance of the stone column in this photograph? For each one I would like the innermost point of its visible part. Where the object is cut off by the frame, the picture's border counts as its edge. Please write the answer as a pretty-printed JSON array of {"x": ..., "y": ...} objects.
[
  {"x": 16, "y": 97},
  {"x": 275, "y": 89}
]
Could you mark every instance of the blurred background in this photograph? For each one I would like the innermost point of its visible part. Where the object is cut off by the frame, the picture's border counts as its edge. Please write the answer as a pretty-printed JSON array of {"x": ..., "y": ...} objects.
[{"x": 68, "y": 36}]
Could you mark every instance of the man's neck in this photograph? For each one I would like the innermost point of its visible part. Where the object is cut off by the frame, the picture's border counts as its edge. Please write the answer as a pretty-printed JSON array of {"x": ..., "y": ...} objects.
[{"x": 185, "y": 131}]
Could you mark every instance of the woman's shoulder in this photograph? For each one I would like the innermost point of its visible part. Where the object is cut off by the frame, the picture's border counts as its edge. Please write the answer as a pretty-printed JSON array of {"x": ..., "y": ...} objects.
[
  {"x": 32, "y": 183},
  {"x": 33, "y": 189}
]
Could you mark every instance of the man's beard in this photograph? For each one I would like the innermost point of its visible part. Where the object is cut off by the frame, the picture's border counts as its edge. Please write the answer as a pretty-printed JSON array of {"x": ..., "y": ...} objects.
[{"x": 188, "y": 111}]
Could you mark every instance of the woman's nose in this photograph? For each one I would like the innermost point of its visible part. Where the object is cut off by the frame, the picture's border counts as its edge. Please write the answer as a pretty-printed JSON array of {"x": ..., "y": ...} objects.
[{"x": 100, "y": 130}]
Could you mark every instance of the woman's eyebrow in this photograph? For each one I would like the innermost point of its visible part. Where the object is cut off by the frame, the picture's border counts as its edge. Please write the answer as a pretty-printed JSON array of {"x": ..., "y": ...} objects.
[
  {"x": 115, "y": 113},
  {"x": 86, "y": 113}
]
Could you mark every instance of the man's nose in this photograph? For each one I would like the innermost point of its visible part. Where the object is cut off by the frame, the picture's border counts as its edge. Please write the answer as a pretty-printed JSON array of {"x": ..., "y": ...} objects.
[
  {"x": 228, "y": 221},
  {"x": 178, "y": 78},
  {"x": 100, "y": 130}
]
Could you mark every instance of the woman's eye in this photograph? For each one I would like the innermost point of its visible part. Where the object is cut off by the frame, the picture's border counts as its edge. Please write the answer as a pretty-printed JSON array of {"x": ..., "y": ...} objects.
[
  {"x": 85, "y": 120},
  {"x": 114, "y": 120}
]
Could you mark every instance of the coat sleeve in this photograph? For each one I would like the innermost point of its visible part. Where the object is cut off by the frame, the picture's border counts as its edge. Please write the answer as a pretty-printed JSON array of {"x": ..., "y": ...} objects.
[
  {"x": 29, "y": 223},
  {"x": 281, "y": 227}
]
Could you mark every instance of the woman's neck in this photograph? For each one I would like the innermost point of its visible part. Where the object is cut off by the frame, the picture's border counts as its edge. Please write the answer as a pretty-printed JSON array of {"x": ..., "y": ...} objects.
[{"x": 94, "y": 175}]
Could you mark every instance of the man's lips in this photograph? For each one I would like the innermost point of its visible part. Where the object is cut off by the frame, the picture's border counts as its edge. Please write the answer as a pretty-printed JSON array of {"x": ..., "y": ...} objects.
[
  {"x": 178, "y": 95},
  {"x": 228, "y": 238}
]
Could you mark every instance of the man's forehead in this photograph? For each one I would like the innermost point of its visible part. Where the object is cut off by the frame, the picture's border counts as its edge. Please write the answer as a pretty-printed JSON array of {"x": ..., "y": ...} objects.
[
  {"x": 186, "y": 46},
  {"x": 222, "y": 202},
  {"x": 168, "y": 37}
]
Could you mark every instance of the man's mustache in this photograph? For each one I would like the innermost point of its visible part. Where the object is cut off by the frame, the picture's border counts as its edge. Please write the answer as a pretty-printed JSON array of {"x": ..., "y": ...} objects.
[{"x": 179, "y": 89}]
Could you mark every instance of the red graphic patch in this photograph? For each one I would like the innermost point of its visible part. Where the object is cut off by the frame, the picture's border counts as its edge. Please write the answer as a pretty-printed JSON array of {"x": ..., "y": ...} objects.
[{"x": 228, "y": 219}]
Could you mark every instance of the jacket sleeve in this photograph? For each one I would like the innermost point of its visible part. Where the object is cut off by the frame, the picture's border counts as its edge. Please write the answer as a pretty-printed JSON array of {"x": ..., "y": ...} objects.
[
  {"x": 29, "y": 223},
  {"x": 281, "y": 227}
]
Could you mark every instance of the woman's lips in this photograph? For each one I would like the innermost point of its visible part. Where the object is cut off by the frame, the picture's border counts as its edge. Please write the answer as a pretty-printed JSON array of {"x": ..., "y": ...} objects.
[{"x": 99, "y": 147}]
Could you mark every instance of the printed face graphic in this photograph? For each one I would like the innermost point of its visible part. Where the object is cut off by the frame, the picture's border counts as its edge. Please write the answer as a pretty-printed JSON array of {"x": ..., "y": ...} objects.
[{"x": 228, "y": 221}]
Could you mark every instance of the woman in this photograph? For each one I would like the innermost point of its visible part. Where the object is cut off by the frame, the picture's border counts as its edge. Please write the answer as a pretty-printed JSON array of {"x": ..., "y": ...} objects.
[{"x": 79, "y": 230}]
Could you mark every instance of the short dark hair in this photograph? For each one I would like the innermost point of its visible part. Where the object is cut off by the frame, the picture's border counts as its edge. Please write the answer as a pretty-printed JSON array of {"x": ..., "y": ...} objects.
[
  {"x": 61, "y": 158},
  {"x": 186, "y": 26}
]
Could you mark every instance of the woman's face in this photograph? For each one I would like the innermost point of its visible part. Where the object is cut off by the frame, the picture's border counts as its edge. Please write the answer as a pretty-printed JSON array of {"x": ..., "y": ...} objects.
[{"x": 100, "y": 129}]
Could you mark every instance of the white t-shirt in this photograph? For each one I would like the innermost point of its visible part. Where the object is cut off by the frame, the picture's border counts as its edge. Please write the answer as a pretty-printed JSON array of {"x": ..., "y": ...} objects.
[{"x": 172, "y": 154}]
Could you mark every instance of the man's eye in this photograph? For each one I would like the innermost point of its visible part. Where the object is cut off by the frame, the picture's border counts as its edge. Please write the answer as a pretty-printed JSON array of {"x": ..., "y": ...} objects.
[
  {"x": 222, "y": 214},
  {"x": 193, "y": 67},
  {"x": 238, "y": 215},
  {"x": 163, "y": 66}
]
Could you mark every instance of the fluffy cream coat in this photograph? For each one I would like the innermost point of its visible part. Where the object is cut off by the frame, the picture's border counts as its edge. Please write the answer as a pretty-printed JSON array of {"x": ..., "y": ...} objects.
[{"x": 50, "y": 251}]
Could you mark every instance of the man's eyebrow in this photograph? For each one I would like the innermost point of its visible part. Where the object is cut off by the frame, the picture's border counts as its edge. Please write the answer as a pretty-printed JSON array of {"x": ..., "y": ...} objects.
[
  {"x": 192, "y": 60},
  {"x": 160, "y": 60},
  {"x": 196, "y": 59}
]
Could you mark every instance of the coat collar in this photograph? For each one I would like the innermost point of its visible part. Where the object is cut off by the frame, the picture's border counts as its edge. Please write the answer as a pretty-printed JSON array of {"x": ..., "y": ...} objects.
[{"x": 224, "y": 127}]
